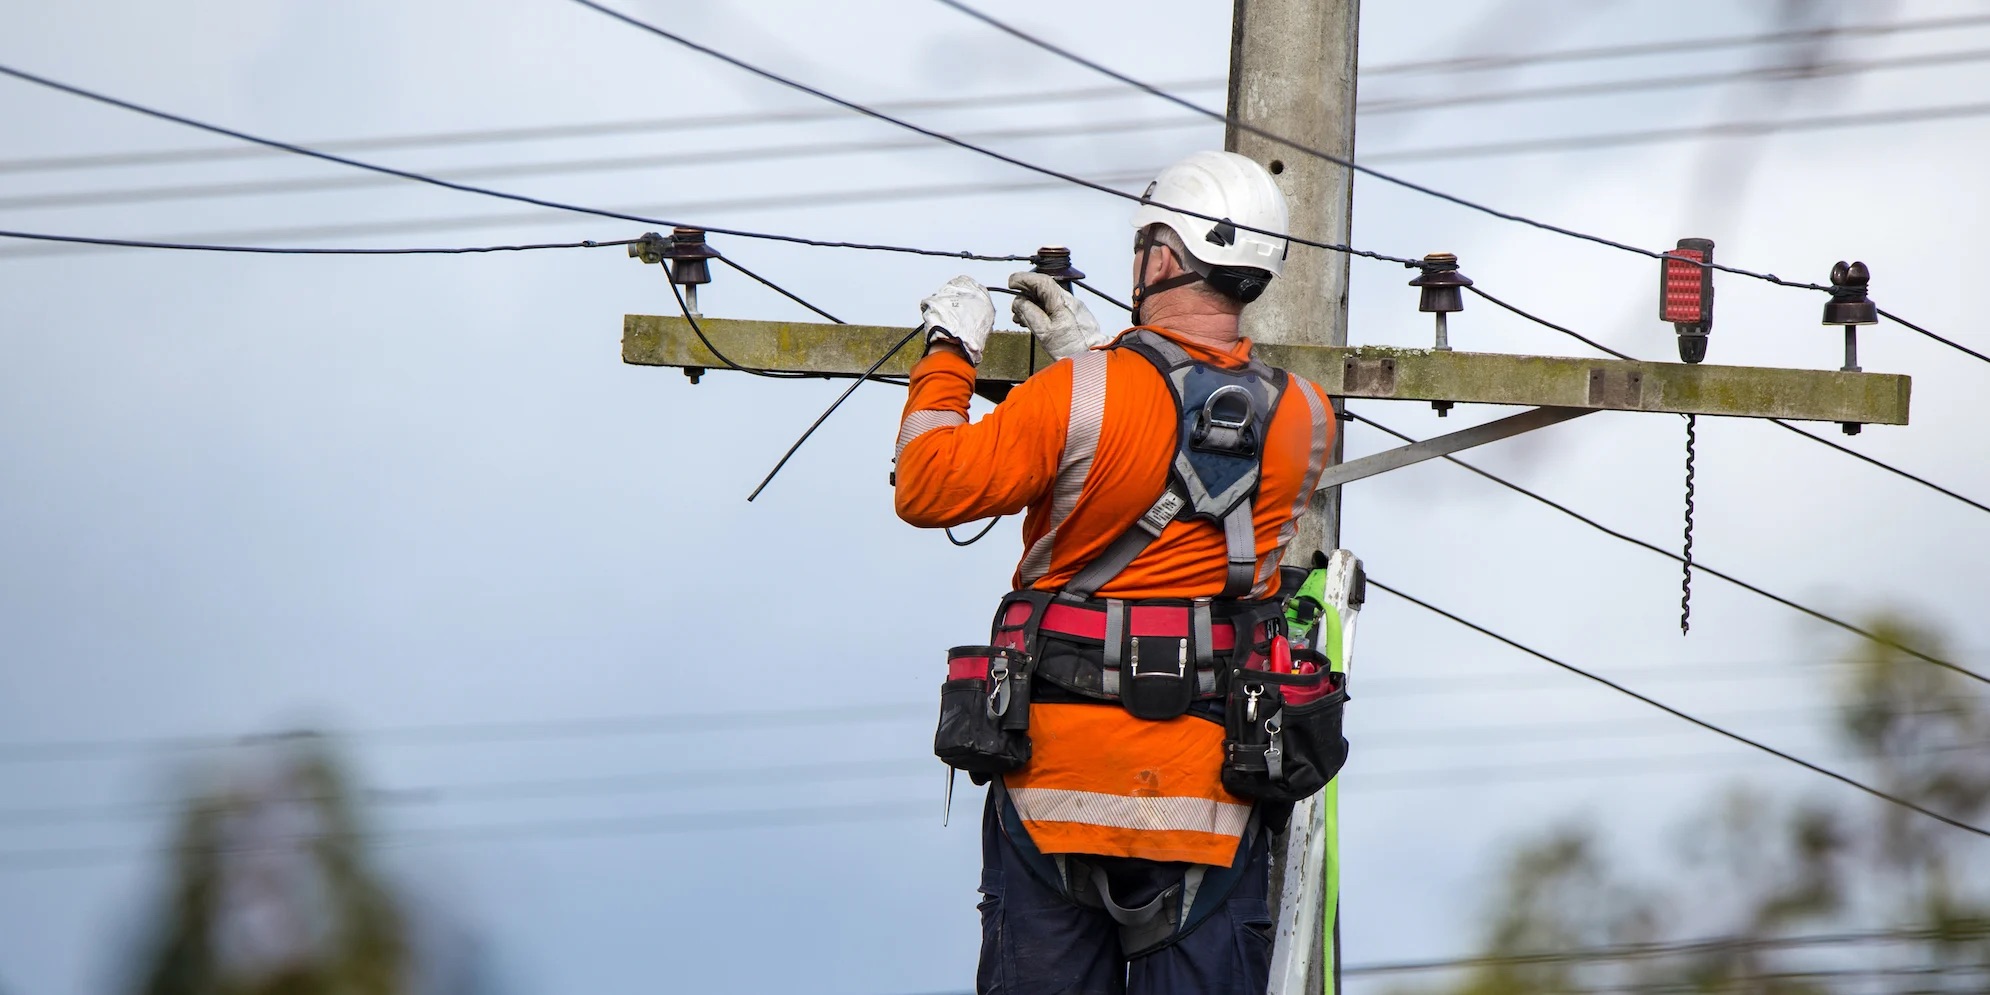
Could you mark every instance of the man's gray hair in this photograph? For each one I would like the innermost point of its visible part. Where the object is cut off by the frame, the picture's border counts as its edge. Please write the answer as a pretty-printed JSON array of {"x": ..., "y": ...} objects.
[{"x": 1163, "y": 235}]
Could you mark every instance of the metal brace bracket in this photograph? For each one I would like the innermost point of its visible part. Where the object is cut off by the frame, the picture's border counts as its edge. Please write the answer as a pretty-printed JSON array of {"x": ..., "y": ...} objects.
[{"x": 1445, "y": 445}]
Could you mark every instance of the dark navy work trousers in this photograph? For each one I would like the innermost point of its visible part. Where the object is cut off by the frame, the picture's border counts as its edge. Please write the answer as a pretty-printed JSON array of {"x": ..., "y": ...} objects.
[{"x": 1034, "y": 941}]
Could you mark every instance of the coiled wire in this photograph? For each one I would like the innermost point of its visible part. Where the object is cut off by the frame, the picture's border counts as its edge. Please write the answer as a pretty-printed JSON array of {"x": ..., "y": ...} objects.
[{"x": 1686, "y": 554}]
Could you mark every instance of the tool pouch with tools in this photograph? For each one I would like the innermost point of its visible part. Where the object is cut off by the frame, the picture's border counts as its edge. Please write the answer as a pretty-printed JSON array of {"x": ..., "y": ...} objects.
[
  {"x": 984, "y": 711},
  {"x": 1282, "y": 731}
]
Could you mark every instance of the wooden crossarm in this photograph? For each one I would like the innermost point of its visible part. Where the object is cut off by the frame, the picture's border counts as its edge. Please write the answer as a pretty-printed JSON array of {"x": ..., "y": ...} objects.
[{"x": 1357, "y": 372}]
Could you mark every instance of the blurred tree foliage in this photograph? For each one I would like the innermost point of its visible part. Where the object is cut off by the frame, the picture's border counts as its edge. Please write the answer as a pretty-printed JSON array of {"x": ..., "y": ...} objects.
[
  {"x": 1840, "y": 894},
  {"x": 270, "y": 891}
]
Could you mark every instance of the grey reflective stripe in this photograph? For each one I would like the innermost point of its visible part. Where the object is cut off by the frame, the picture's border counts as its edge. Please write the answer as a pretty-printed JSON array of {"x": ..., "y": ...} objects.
[
  {"x": 1081, "y": 444},
  {"x": 918, "y": 423},
  {"x": 1316, "y": 464},
  {"x": 1240, "y": 538},
  {"x": 1096, "y": 808}
]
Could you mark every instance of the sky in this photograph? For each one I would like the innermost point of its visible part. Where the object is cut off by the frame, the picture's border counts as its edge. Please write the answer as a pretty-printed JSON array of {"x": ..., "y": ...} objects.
[{"x": 419, "y": 503}]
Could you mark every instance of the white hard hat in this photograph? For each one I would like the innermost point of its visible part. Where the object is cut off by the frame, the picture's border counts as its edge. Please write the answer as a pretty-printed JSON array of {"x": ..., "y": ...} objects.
[{"x": 1196, "y": 195}]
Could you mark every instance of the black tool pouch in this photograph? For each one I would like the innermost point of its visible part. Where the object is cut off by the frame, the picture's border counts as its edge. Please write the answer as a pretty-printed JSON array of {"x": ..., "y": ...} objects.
[
  {"x": 1156, "y": 677},
  {"x": 984, "y": 711},
  {"x": 1282, "y": 752}
]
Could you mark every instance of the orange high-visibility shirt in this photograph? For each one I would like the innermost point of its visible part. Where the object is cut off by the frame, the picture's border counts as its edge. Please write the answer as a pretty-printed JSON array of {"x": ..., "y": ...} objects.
[{"x": 1085, "y": 445}]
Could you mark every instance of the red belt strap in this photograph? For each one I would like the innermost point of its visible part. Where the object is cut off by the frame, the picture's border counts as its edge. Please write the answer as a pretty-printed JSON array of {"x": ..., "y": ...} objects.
[{"x": 1147, "y": 621}]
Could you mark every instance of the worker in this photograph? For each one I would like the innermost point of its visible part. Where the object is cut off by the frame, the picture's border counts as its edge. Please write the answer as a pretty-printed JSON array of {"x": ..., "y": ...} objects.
[{"x": 1163, "y": 471}]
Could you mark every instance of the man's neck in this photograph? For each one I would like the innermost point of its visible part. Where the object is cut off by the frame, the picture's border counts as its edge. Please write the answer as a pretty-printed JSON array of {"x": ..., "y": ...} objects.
[{"x": 1191, "y": 316}]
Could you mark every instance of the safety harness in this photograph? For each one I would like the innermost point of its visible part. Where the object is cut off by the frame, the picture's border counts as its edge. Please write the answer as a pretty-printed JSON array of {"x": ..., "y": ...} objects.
[{"x": 1159, "y": 659}]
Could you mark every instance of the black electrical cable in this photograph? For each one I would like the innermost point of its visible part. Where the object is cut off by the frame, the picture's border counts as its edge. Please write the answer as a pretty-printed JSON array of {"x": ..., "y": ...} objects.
[
  {"x": 132, "y": 243},
  {"x": 592, "y": 164},
  {"x": 1682, "y": 81},
  {"x": 1457, "y": 64},
  {"x": 698, "y": 330},
  {"x": 468, "y": 188},
  {"x": 498, "y": 731},
  {"x": 1515, "y": 60},
  {"x": 1699, "y": 565},
  {"x": 1664, "y": 948},
  {"x": 1343, "y": 162},
  {"x": 1957, "y": 346},
  {"x": 978, "y": 536},
  {"x": 1570, "y": 332},
  {"x": 426, "y": 226},
  {"x": 1888, "y": 467},
  {"x": 1702, "y": 723},
  {"x": 592, "y": 129},
  {"x": 1755, "y": 128},
  {"x": 589, "y": 828},
  {"x": 960, "y": 143},
  {"x": 826, "y": 412},
  {"x": 777, "y": 288},
  {"x": 1108, "y": 298},
  {"x": 674, "y": 780},
  {"x": 1577, "y": 142}
]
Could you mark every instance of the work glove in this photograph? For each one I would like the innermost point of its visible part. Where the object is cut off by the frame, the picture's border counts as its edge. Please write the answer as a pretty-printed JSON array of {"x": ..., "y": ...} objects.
[
  {"x": 1058, "y": 320},
  {"x": 960, "y": 311}
]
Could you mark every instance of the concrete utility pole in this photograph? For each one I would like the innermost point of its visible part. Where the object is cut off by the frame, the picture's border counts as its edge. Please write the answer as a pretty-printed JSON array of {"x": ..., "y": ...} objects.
[
  {"x": 1292, "y": 68},
  {"x": 1292, "y": 73}
]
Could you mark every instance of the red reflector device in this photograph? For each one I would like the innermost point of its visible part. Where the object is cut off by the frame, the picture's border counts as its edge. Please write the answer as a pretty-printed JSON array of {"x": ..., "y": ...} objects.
[{"x": 1686, "y": 295}]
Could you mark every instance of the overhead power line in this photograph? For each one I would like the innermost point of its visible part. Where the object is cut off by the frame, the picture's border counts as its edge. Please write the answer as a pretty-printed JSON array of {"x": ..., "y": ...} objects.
[
  {"x": 464, "y": 187},
  {"x": 679, "y": 779},
  {"x": 1698, "y": 564},
  {"x": 624, "y": 725},
  {"x": 1342, "y": 161},
  {"x": 595, "y": 129},
  {"x": 1702, "y": 723},
  {"x": 1515, "y": 60},
  {"x": 482, "y": 136},
  {"x": 957, "y": 142},
  {"x": 583, "y": 828},
  {"x": 296, "y": 250},
  {"x": 1552, "y": 143},
  {"x": 587, "y": 727},
  {"x": 1657, "y": 136},
  {"x": 595, "y": 164},
  {"x": 1888, "y": 467},
  {"x": 1681, "y": 81},
  {"x": 1641, "y": 951},
  {"x": 1957, "y": 346},
  {"x": 432, "y": 225},
  {"x": 712, "y": 157}
]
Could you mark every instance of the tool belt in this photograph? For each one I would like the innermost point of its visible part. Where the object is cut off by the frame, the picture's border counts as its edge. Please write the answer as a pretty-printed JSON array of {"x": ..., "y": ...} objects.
[{"x": 1158, "y": 660}]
